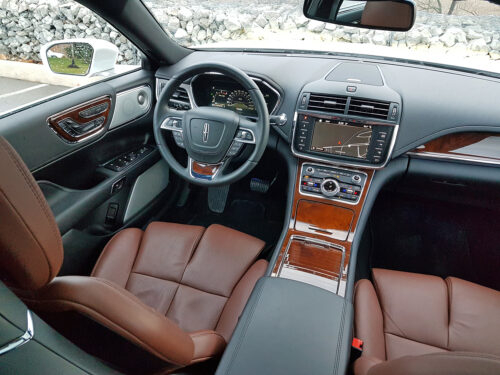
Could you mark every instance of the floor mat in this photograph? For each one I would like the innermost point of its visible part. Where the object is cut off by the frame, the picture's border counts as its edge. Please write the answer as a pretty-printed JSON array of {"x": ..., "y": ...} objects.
[{"x": 433, "y": 237}]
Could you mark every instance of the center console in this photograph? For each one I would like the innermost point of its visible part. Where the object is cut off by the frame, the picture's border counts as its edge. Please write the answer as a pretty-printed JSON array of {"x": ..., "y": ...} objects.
[
  {"x": 337, "y": 184},
  {"x": 345, "y": 127},
  {"x": 343, "y": 132}
]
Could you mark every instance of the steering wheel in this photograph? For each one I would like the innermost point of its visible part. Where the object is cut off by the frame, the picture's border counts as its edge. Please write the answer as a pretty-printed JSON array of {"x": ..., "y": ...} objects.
[{"x": 211, "y": 136}]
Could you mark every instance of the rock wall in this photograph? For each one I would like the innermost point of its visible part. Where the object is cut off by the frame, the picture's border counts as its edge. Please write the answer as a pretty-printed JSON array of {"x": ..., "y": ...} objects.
[
  {"x": 196, "y": 23},
  {"x": 27, "y": 24}
]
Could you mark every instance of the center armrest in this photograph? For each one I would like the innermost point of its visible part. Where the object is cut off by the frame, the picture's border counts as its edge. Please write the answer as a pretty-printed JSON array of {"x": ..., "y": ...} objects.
[{"x": 289, "y": 327}]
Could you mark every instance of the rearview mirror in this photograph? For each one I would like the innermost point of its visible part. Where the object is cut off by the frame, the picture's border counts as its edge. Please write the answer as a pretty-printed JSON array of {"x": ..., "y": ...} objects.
[
  {"x": 79, "y": 57},
  {"x": 393, "y": 15}
]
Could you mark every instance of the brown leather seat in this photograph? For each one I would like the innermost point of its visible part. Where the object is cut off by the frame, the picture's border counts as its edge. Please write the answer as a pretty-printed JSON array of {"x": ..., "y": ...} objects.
[
  {"x": 420, "y": 324},
  {"x": 175, "y": 291}
]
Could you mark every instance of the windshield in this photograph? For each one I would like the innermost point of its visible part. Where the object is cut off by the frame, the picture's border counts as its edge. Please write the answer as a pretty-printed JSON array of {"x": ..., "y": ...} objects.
[{"x": 454, "y": 32}]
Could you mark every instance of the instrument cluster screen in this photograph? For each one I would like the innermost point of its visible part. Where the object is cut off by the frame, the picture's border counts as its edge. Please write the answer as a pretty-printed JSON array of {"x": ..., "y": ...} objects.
[
  {"x": 341, "y": 138},
  {"x": 216, "y": 90},
  {"x": 236, "y": 100}
]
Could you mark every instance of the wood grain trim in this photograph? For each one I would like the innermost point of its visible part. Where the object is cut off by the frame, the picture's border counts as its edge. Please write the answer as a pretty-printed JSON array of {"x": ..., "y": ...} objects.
[
  {"x": 446, "y": 144},
  {"x": 313, "y": 263},
  {"x": 74, "y": 114},
  {"x": 322, "y": 218},
  {"x": 204, "y": 169}
]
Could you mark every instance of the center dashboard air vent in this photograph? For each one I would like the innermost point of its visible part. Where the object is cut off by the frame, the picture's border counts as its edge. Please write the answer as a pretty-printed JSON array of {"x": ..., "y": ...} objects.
[
  {"x": 349, "y": 105},
  {"x": 327, "y": 103},
  {"x": 369, "y": 108}
]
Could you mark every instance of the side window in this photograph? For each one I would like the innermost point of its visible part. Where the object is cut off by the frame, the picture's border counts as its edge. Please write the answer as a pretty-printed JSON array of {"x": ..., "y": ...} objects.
[{"x": 47, "y": 47}]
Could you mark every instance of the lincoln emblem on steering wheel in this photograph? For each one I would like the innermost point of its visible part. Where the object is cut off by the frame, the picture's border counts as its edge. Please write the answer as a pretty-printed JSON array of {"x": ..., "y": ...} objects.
[{"x": 206, "y": 130}]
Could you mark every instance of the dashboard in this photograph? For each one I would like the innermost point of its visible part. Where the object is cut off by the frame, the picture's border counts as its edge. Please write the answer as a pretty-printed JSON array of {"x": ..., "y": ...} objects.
[{"x": 349, "y": 111}]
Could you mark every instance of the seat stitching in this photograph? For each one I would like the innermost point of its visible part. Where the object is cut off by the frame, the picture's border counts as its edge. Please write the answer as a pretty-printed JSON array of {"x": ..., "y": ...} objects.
[
  {"x": 143, "y": 234},
  {"x": 450, "y": 296},
  {"x": 384, "y": 310},
  {"x": 193, "y": 249},
  {"x": 179, "y": 283},
  {"x": 419, "y": 342},
  {"x": 154, "y": 277}
]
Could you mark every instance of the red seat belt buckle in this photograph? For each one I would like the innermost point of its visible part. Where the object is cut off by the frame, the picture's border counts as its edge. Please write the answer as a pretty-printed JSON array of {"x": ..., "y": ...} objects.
[{"x": 357, "y": 344}]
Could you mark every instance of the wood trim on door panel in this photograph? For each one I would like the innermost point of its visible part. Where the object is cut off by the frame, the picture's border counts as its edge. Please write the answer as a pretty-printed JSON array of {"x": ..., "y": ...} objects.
[{"x": 74, "y": 114}]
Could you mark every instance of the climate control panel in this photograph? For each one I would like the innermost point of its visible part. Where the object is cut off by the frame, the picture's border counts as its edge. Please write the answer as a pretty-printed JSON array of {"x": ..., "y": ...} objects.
[{"x": 332, "y": 183}]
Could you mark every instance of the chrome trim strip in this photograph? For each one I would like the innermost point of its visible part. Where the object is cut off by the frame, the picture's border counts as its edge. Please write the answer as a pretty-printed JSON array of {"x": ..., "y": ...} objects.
[
  {"x": 448, "y": 157},
  {"x": 26, "y": 337},
  {"x": 333, "y": 199},
  {"x": 342, "y": 162},
  {"x": 313, "y": 240}
]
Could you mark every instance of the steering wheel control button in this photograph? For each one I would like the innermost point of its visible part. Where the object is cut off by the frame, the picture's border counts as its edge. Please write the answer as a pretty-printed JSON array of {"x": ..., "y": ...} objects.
[
  {"x": 178, "y": 139},
  {"x": 234, "y": 149},
  {"x": 334, "y": 183},
  {"x": 245, "y": 136},
  {"x": 173, "y": 124}
]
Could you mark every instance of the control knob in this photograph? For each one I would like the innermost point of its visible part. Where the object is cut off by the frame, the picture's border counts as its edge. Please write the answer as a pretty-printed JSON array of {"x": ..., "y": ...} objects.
[{"x": 330, "y": 187}]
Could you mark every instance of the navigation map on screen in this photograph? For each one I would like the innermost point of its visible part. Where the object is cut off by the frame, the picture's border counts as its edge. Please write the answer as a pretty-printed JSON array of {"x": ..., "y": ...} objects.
[{"x": 342, "y": 140}]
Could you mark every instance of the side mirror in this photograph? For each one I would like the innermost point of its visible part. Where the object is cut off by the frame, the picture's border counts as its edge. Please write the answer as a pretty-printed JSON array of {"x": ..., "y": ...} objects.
[
  {"x": 79, "y": 57},
  {"x": 393, "y": 15}
]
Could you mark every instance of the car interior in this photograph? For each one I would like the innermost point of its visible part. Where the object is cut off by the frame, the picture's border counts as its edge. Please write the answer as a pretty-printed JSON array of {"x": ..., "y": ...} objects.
[{"x": 233, "y": 212}]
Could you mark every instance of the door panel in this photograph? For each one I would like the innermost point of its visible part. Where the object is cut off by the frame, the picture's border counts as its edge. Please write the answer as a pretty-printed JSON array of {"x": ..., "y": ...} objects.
[
  {"x": 92, "y": 184},
  {"x": 38, "y": 144}
]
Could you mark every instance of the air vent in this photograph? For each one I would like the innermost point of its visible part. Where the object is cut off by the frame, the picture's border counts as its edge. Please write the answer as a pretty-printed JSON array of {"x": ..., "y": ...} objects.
[
  {"x": 327, "y": 103},
  {"x": 369, "y": 108},
  {"x": 179, "y": 99}
]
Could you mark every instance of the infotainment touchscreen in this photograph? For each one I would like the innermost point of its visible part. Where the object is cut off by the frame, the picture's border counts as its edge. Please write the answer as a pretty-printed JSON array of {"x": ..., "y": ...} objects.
[{"x": 341, "y": 138}]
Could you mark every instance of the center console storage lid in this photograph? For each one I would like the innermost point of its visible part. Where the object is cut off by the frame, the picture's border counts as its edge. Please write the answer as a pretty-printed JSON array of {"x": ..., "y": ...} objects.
[{"x": 289, "y": 327}]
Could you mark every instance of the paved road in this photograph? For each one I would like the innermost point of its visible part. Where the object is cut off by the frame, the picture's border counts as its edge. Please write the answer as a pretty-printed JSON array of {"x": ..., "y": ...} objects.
[{"x": 16, "y": 92}]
